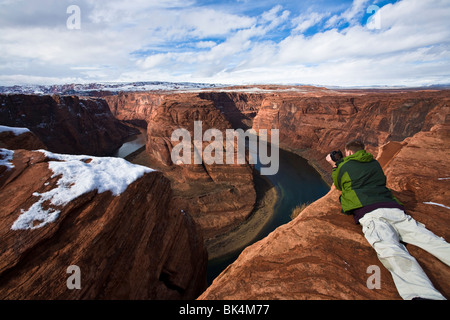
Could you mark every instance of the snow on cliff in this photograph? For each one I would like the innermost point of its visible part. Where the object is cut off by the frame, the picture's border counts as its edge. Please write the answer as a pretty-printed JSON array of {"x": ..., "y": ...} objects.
[
  {"x": 16, "y": 131},
  {"x": 78, "y": 175},
  {"x": 89, "y": 88},
  {"x": 5, "y": 157}
]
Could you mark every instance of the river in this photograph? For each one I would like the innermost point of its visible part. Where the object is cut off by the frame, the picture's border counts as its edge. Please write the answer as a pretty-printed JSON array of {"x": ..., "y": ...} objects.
[
  {"x": 131, "y": 145},
  {"x": 296, "y": 183}
]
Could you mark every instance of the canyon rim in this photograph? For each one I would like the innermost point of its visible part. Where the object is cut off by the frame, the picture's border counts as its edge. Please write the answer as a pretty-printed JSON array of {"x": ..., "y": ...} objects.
[{"x": 162, "y": 220}]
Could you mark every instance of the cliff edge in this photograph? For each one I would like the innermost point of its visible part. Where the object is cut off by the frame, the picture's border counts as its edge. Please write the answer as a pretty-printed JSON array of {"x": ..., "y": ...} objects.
[{"x": 103, "y": 221}]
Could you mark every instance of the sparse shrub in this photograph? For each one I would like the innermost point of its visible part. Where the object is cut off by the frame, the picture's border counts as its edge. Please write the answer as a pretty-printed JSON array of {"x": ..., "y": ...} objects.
[{"x": 297, "y": 210}]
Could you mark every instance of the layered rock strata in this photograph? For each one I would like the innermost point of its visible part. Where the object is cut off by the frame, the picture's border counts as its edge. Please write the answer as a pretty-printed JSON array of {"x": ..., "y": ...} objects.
[
  {"x": 320, "y": 255},
  {"x": 218, "y": 195},
  {"x": 19, "y": 138},
  {"x": 135, "y": 107},
  {"x": 120, "y": 232},
  {"x": 314, "y": 121},
  {"x": 311, "y": 122},
  {"x": 314, "y": 126}
]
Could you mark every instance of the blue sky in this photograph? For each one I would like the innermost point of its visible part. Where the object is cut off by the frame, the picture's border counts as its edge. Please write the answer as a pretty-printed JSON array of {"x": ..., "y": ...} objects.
[{"x": 319, "y": 42}]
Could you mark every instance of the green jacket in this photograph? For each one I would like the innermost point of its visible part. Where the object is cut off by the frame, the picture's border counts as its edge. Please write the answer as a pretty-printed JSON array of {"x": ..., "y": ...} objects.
[{"x": 362, "y": 182}]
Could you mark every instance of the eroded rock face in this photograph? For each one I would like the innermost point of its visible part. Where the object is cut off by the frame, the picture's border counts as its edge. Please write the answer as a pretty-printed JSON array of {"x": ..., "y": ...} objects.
[
  {"x": 314, "y": 126},
  {"x": 116, "y": 240},
  {"x": 66, "y": 124},
  {"x": 134, "y": 106},
  {"x": 322, "y": 254},
  {"x": 312, "y": 122},
  {"x": 419, "y": 173},
  {"x": 23, "y": 140},
  {"x": 129, "y": 245},
  {"x": 219, "y": 196}
]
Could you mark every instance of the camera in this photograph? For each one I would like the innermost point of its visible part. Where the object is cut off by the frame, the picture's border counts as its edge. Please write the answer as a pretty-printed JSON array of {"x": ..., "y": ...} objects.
[{"x": 336, "y": 155}]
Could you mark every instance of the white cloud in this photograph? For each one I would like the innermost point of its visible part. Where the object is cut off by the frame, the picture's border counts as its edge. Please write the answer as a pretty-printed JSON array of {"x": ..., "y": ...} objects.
[
  {"x": 205, "y": 44},
  {"x": 308, "y": 20},
  {"x": 116, "y": 11},
  {"x": 155, "y": 60},
  {"x": 180, "y": 41},
  {"x": 350, "y": 15},
  {"x": 406, "y": 50},
  {"x": 224, "y": 55},
  {"x": 209, "y": 22}
]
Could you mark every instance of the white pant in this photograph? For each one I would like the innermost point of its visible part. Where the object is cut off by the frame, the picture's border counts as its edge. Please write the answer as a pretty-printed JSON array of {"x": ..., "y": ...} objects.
[{"x": 384, "y": 228}]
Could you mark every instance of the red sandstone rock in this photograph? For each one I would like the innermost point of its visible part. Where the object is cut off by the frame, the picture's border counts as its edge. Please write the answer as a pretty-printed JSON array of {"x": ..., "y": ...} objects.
[
  {"x": 312, "y": 121},
  {"x": 131, "y": 246},
  {"x": 219, "y": 196},
  {"x": 316, "y": 125},
  {"x": 66, "y": 124},
  {"x": 419, "y": 174},
  {"x": 27, "y": 141},
  {"x": 134, "y": 106},
  {"x": 322, "y": 254}
]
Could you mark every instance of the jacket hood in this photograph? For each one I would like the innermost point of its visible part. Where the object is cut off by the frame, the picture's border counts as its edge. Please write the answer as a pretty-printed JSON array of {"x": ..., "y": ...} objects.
[{"x": 361, "y": 156}]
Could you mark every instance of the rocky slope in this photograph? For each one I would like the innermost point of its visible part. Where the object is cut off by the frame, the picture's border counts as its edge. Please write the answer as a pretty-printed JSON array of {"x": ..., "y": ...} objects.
[
  {"x": 66, "y": 124},
  {"x": 113, "y": 220},
  {"x": 322, "y": 254},
  {"x": 219, "y": 196}
]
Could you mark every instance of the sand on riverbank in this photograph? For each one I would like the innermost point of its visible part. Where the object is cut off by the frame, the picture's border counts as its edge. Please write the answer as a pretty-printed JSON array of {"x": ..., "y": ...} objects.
[{"x": 242, "y": 235}]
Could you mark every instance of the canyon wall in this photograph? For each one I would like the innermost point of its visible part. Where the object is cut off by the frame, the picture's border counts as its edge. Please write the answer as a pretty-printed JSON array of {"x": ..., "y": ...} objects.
[
  {"x": 25, "y": 140},
  {"x": 66, "y": 124},
  {"x": 314, "y": 121},
  {"x": 314, "y": 126},
  {"x": 128, "y": 244},
  {"x": 322, "y": 254},
  {"x": 238, "y": 107},
  {"x": 219, "y": 196},
  {"x": 134, "y": 106}
]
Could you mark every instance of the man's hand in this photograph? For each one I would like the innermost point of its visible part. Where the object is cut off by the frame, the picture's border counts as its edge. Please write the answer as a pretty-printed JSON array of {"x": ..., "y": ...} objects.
[{"x": 330, "y": 161}]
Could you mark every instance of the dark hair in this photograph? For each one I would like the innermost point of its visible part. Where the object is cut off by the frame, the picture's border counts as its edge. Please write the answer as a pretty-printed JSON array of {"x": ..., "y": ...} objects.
[{"x": 354, "y": 145}]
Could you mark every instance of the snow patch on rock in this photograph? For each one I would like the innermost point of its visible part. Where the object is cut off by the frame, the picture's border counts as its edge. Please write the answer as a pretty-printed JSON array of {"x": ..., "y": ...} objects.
[{"x": 78, "y": 175}]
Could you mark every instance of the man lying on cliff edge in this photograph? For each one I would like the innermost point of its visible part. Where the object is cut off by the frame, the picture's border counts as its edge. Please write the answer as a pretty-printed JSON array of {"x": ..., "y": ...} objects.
[{"x": 384, "y": 223}]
